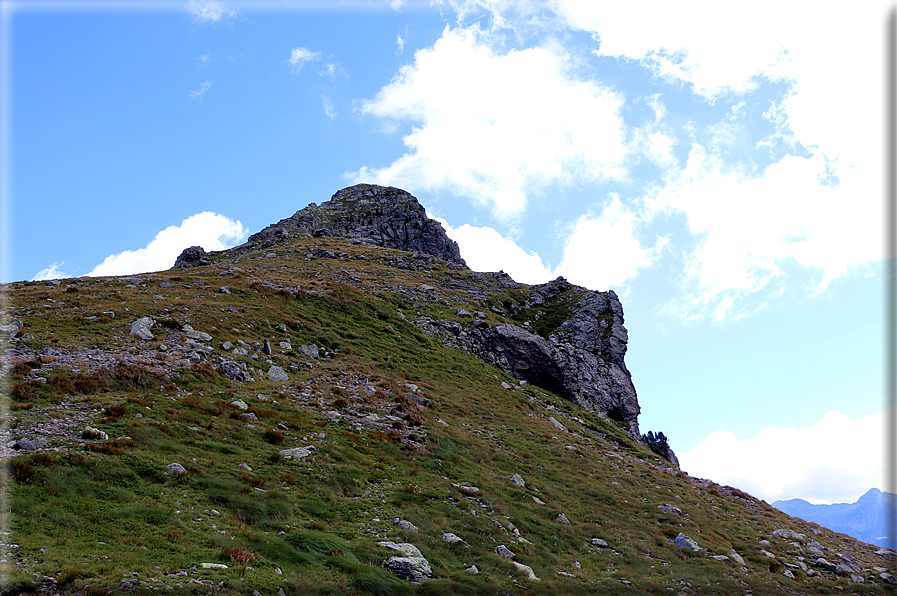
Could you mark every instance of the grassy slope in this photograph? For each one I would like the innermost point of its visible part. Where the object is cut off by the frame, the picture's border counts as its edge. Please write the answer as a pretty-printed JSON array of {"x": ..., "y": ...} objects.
[{"x": 101, "y": 512}]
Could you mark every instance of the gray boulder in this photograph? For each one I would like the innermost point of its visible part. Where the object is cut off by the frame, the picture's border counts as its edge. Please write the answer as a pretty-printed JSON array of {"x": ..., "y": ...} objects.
[
  {"x": 276, "y": 373},
  {"x": 175, "y": 469},
  {"x": 405, "y": 548},
  {"x": 670, "y": 508},
  {"x": 415, "y": 569},
  {"x": 503, "y": 551},
  {"x": 234, "y": 371},
  {"x": 518, "y": 480},
  {"x": 310, "y": 351},
  {"x": 141, "y": 328},
  {"x": 530, "y": 574},
  {"x": 683, "y": 541}
]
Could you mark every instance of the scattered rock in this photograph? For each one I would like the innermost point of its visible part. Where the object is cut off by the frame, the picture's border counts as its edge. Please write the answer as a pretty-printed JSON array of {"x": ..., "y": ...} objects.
[
  {"x": 276, "y": 373},
  {"x": 245, "y": 466},
  {"x": 213, "y": 566},
  {"x": 539, "y": 501},
  {"x": 530, "y": 575},
  {"x": 888, "y": 578},
  {"x": 736, "y": 557},
  {"x": 240, "y": 404},
  {"x": 193, "y": 334},
  {"x": 683, "y": 541},
  {"x": 22, "y": 444},
  {"x": 599, "y": 543},
  {"x": 141, "y": 328},
  {"x": 310, "y": 351},
  {"x": 825, "y": 564},
  {"x": 518, "y": 480},
  {"x": 404, "y": 524},
  {"x": 787, "y": 573},
  {"x": 472, "y": 569},
  {"x": 415, "y": 569},
  {"x": 670, "y": 508},
  {"x": 721, "y": 558},
  {"x": 296, "y": 453},
  {"x": 562, "y": 519},
  {"x": 224, "y": 289},
  {"x": 454, "y": 539},
  {"x": 557, "y": 424},
  {"x": 504, "y": 551},
  {"x": 94, "y": 434},
  {"x": 175, "y": 468}
]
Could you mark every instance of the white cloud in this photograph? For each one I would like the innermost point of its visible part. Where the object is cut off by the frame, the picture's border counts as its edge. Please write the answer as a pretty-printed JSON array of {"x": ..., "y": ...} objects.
[
  {"x": 51, "y": 272},
  {"x": 206, "y": 59},
  {"x": 750, "y": 226},
  {"x": 329, "y": 110},
  {"x": 834, "y": 460},
  {"x": 197, "y": 94},
  {"x": 396, "y": 4},
  {"x": 400, "y": 44},
  {"x": 496, "y": 127},
  {"x": 602, "y": 251},
  {"x": 209, "y": 11},
  {"x": 484, "y": 249},
  {"x": 298, "y": 58},
  {"x": 599, "y": 252},
  {"x": 209, "y": 230}
]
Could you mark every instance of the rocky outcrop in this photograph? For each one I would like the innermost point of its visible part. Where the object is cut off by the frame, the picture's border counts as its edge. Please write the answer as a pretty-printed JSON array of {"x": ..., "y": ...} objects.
[
  {"x": 581, "y": 359},
  {"x": 378, "y": 215},
  {"x": 193, "y": 256}
]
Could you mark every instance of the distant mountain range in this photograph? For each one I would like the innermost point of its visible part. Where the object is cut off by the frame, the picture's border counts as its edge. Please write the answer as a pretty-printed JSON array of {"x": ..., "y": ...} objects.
[{"x": 866, "y": 520}]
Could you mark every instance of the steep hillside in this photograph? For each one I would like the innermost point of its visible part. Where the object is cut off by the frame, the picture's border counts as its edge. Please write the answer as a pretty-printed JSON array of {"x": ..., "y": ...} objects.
[{"x": 322, "y": 415}]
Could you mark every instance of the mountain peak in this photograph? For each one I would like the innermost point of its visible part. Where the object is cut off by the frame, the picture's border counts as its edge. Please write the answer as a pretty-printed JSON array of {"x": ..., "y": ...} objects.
[{"x": 378, "y": 215}]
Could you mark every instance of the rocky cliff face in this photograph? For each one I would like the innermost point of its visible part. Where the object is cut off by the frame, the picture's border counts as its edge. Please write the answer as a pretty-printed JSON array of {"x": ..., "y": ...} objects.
[
  {"x": 379, "y": 215},
  {"x": 582, "y": 358}
]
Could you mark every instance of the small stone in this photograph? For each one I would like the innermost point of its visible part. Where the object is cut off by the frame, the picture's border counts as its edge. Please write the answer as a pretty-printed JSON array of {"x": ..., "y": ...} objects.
[
  {"x": 240, "y": 404},
  {"x": 888, "y": 578},
  {"x": 463, "y": 313},
  {"x": 530, "y": 575},
  {"x": 736, "y": 557},
  {"x": 721, "y": 558},
  {"x": 504, "y": 551},
  {"x": 94, "y": 434},
  {"x": 224, "y": 290},
  {"x": 683, "y": 541},
  {"x": 472, "y": 569},
  {"x": 310, "y": 351},
  {"x": 295, "y": 453},
  {"x": 453, "y": 539},
  {"x": 278, "y": 571},
  {"x": 557, "y": 424},
  {"x": 518, "y": 480},
  {"x": 538, "y": 501},
  {"x": 245, "y": 466},
  {"x": 212, "y": 566},
  {"x": 670, "y": 508},
  {"x": 599, "y": 543},
  {"x": 416, "y": 569},
  {"x": 562, "y": 519},
  {"x": 787, "y": 573},
  {"x": 175, "y": 468},
  {"x": 404, "y": 524}
]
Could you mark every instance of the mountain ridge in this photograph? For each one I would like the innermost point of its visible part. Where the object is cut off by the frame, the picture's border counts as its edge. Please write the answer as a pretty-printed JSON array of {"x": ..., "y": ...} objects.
[{"x": 278, "y": 419}]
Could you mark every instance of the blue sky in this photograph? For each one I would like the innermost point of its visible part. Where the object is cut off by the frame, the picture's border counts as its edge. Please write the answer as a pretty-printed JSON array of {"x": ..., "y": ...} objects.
[{"x": 725, "y": 181}]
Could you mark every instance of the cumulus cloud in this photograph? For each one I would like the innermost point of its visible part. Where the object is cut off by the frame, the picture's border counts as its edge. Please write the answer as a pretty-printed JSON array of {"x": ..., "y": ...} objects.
[
  {"x": 749, "y": 227},
  {"x": 299, "y": 57},
  {"x": 207, "y": 229},
  {"x": 209, "y": 11},
  {"x": 497, "y": 126},
  {"x": 834, "y": 460},
  {"x": 51, "y": 272},
  {"x": 602, "y": 252},
  {"x": 485, "y": 249},
  {"x": 197, "y": 94}
]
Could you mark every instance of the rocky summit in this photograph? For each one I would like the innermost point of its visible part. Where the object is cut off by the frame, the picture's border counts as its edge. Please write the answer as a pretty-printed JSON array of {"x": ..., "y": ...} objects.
[
  {"x": 378, "y": 215},
  {"x": 341, "y": 406}
]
